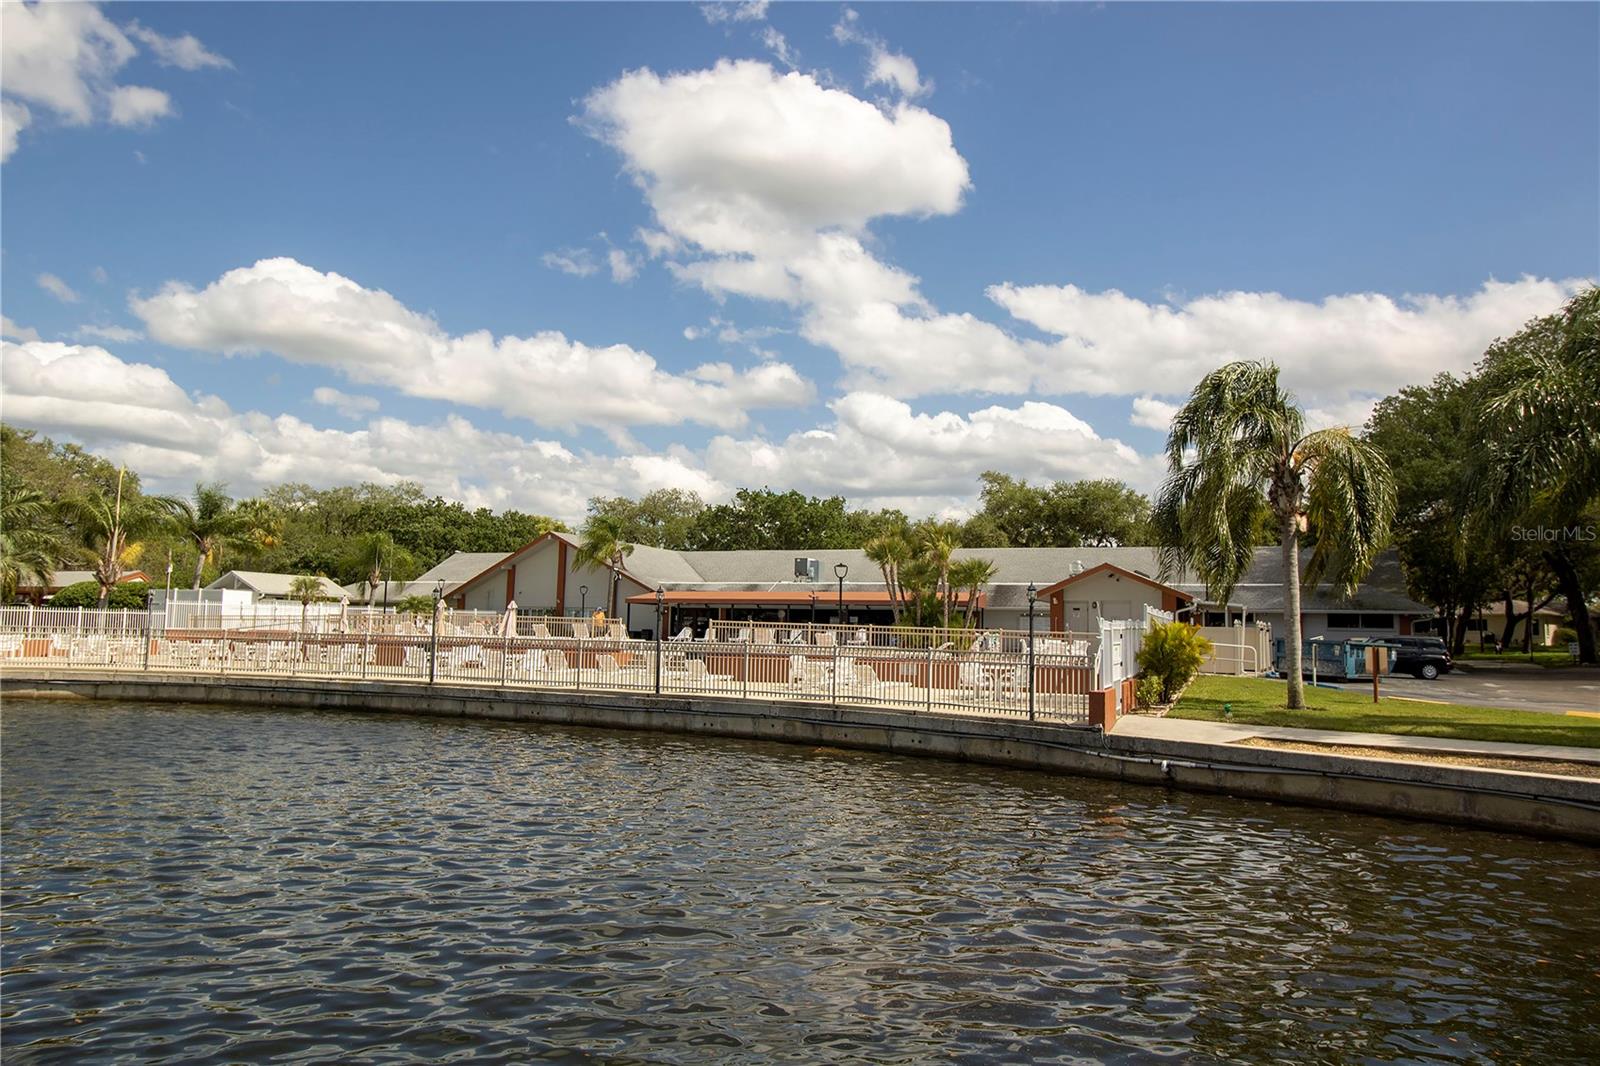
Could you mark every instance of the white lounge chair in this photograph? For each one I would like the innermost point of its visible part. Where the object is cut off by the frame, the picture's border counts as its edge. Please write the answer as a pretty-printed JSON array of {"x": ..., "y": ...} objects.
[{"x": 686, "y": 633}]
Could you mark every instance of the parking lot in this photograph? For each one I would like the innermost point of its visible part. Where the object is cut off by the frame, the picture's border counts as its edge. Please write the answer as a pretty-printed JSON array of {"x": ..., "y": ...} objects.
[{"x": 1531, "y": 688}]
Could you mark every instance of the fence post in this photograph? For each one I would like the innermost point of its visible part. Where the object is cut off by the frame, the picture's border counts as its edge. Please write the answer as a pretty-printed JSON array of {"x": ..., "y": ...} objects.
[
  {"x": 147, "y": 639},
  {"x": 928, "y": 696},
  {"x": 745, "y": 673},
  {"x": 80, "y": 621},
  {"x": 505, "y": 657},
  {"x": 834, "y": 673}
]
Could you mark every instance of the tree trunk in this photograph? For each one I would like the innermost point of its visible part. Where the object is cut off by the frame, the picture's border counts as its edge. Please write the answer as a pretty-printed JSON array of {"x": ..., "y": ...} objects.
[
  {"x": 1527, "y": 629},
  {"x": 1458, "y": 643},
  {"x": 1291, "y": 613},
  {"x": 199, "y": 566},
  {"x": 1577, "y": 603},
  {"x": 1509, "y": 633},
  {"x": 105, "y": 595}
]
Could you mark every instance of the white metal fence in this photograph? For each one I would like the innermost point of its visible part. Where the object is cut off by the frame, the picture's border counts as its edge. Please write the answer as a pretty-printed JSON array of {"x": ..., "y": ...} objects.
[{"x": 991, "y": 673}]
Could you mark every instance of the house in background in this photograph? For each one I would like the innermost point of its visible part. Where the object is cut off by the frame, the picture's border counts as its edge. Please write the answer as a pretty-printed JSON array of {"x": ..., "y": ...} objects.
[
  {"x": 1074, "y": 588},
  {"x": 59, "y": 580},
  {"x": 270, "y": 586},
  {"x": 453, "y": 572}
]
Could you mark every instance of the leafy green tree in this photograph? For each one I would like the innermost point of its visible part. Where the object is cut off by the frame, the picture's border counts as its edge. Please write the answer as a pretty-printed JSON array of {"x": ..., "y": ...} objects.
[
  {"x": 603, "y": 546},
  {"x": 1064, "y": 514},
  {"x": 660, "y": 519},
  {"x": 373, "y": 557},
  {"x": 414, "y": 605},
  {"x": 1240, "y": 439},
  {"x": 31, "y": 543},
  {"x": 127, "y": 596},
  {"x": 762, "y": 518},
  {"x": 1538, "y": 422},
  {"x": 1425, "y": 434}
]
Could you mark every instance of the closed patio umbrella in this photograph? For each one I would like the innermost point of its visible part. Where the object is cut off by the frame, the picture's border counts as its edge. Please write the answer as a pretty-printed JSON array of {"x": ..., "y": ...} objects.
[{"x": 508, "y": 624}]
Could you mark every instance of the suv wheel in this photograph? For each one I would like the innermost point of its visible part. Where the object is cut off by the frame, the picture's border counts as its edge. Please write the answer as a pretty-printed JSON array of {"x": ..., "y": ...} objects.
[{"x": 1429, "y": 672}]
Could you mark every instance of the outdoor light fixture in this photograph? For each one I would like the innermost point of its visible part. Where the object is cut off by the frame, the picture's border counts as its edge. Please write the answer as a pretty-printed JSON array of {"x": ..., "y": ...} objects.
[
  {"x": 661, "y": 600},
  {"x": 839, "y": 571},
  {"x": 583, "y": 600},
  {"x": 433, "y": 639},
  {"x": 1033, "y": 594}
]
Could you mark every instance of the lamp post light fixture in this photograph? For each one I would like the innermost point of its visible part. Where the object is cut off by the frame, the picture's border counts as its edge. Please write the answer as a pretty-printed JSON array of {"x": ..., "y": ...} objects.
[
  {"x": 1033, "y": 595},
  {"x": 661, "y": 601},
  {"x": 433, "y": 639},
  {"x": 813, "y": 607},
  {"x": 583, "y": 601},
  {"x": 839, "y": 571}
]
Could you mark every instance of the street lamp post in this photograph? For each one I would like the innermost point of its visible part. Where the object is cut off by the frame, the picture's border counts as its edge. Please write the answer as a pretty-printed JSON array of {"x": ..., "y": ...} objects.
[
  {"x": 1033, "y": 594},
  {"x": 839, "y": 571},
  {"x": 813, "y": 607},
  {"x": 433, "y": 640},
  {"x": 583, "y": 601},
  {"x": 661, "y": 598}
]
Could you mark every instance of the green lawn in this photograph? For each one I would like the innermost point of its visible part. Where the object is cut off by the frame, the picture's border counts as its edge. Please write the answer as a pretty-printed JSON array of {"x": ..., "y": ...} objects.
[
  {"x": 1538, "y": 658},
  {"x": 1260, "y": 702}
]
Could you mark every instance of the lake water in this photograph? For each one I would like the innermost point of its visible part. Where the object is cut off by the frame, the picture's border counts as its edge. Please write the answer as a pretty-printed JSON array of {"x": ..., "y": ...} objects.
[{"x": 208, "y": 884}]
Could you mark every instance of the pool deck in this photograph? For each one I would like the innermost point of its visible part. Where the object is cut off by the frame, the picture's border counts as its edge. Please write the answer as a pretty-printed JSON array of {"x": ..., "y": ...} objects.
[{"x": 1197, "y": 756}]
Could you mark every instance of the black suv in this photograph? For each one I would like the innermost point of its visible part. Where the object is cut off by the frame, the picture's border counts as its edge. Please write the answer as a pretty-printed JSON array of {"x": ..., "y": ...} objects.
[{"x": 1424, "y": 657}]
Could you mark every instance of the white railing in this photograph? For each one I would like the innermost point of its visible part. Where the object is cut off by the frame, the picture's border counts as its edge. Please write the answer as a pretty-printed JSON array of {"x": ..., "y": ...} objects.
[{"x": 985, "y": 674}]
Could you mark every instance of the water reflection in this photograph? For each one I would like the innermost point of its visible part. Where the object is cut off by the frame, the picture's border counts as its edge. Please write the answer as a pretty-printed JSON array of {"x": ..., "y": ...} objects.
[{"x": 212, "y": 884}]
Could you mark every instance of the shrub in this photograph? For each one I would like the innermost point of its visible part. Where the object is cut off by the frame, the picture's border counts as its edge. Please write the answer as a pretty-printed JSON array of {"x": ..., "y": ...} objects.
[
  {"x": 415, "y": 605},
  {"x": 1171, "y": 654},
  {"x": 1148, "y": 693},
  {"x": 1564, "y": 636},
  {"x": 131, "y": 595}
]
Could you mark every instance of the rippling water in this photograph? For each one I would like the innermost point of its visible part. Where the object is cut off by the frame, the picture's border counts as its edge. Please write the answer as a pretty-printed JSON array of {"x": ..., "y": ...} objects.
[{"x": 208, "y": 884}]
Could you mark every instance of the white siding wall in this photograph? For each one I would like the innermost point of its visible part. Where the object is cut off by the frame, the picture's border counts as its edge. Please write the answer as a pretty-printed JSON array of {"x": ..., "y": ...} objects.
[{"x": 1107, "y": 595}]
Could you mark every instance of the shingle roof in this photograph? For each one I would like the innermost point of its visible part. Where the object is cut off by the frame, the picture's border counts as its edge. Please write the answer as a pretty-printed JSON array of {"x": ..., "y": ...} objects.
[{"x": 273, "y": 584}]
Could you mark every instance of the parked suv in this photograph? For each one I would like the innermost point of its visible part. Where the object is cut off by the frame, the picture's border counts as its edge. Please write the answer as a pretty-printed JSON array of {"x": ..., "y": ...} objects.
[{"x": 1424, "y": 657}]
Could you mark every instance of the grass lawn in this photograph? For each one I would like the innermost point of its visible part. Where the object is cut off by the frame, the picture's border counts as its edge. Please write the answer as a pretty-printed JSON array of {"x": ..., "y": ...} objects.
[
  {"x": 1260, "y": 702},
  {"x": 1538, "y": 658}
]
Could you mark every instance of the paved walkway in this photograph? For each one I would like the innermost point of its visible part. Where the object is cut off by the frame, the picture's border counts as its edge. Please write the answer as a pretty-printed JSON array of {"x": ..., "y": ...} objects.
[{"x": 1227, "y": 733}]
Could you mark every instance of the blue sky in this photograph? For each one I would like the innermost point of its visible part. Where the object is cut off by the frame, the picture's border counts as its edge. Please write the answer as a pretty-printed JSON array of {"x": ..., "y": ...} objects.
[{"x": 870, "y": 249}]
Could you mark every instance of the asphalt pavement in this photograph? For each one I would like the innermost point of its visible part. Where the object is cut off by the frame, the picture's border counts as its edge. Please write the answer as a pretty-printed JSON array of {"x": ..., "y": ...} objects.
[{"x": 1521, "y": 686}]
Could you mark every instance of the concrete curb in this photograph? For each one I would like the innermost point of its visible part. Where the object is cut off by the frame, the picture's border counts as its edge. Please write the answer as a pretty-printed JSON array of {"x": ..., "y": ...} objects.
[{"x": 1543, "y": 804}]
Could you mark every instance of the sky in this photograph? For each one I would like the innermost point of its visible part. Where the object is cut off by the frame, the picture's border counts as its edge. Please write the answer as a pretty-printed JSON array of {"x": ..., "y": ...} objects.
[{"x": 526, "y": 254}]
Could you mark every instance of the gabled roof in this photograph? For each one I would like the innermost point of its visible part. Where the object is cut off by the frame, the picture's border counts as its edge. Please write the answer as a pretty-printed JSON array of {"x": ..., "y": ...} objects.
[
  {"x": 1112, "y": 568},
  {"x": 60, "y": 579},
  {"x": 271, "y": 584}
]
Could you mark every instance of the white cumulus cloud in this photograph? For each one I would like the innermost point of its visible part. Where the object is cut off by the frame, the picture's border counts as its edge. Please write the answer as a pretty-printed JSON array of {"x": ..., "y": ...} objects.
[
  {"x": 116, "y": 334},
  {"x": 58, "y": 288},
  {"x": 63, "y": 59},
  {"x": 348, "y": 404},
  {"x": 307, "y": 316}
]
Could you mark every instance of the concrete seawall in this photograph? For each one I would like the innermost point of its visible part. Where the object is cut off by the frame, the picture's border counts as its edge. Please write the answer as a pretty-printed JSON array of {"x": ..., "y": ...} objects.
[{"x": 1541, "y": 804}]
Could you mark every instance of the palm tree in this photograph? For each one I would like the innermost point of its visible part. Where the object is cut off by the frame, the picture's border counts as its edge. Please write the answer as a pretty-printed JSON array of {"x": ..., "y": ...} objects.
[
  {"x": 376, "y": 554},
  {"x": 307, "y": 590},
  {"x": 1240, "y": 440},
  {"x": 603, "y": 546},
  {"x": 210, "y": 522},
  {"x": 30, "y": 545},
  {"x": 1541, "y": 389},
  {"x": 937, "y": 542},
  {"x": 109, "y": 529},
  {"x": 890, "y": 552},
  {"x": 972, "y": 574}
]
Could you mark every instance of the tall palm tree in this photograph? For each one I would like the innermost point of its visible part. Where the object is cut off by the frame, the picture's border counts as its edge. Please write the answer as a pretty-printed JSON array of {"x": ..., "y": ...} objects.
[
  {"x": 30, "y": 543},
  {"x": 603, "y": 546},
  {"x": 1239, "y": 440},
  {"x": 937, "y": 542},
  {"x": 109, "y": 529},
  {"x": 1540, "y": 390},
  {"x": 307, "y": 590},
  {"x": 972, "y": 575},
  {"x": 890, "y": 552},
  {"x": 210, "y": 522},
  {"x": 372, "y": 553}
]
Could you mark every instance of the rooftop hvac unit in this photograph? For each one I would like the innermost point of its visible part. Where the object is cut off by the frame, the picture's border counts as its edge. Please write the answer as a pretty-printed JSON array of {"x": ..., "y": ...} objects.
[{"x": 807, "y": 569}]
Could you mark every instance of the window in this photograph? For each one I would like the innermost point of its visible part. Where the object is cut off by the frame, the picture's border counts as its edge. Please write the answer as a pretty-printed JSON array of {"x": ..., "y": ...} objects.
[{"x": 1361, "y": 621}]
